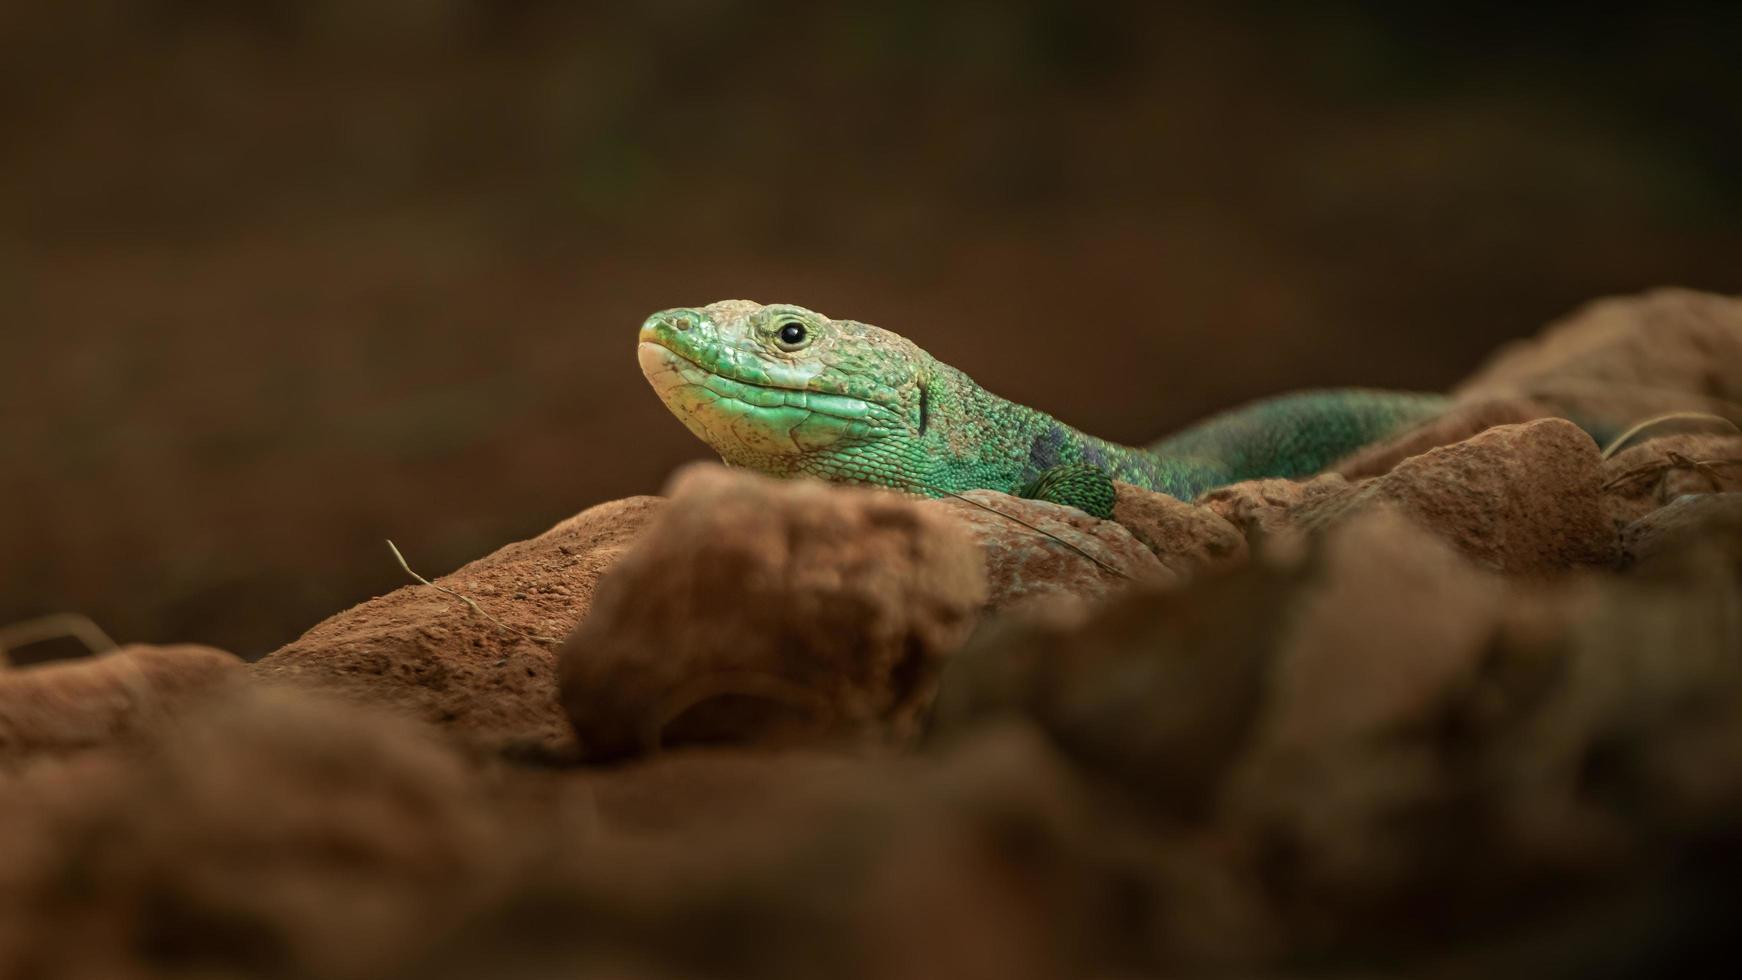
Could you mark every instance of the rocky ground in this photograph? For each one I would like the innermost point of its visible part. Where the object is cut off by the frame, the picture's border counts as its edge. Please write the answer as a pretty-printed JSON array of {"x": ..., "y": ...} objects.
[{"x": 1469, "y": 705}]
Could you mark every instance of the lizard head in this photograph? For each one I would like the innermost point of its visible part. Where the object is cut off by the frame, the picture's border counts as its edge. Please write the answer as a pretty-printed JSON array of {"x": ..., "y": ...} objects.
[{"x": 788, "y": 391}]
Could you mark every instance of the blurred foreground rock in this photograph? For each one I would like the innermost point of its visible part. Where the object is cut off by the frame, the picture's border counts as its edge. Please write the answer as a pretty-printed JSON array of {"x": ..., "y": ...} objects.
[
  {"x": 67, "y": 706},
  {"x": 1379, "y": 746},
  {"x": 275, "y": 834},
  {"x": 754, "y": 609}
]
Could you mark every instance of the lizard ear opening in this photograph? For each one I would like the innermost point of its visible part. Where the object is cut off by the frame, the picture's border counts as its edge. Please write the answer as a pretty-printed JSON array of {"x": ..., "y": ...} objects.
[{"x": 924, "y": 407}]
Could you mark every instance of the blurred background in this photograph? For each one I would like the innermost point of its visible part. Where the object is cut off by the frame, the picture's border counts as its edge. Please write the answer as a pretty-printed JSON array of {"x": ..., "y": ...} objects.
[{"x": 281, "y": 280}]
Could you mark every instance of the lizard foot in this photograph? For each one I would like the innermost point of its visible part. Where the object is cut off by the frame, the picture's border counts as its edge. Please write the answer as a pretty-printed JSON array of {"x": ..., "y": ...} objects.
[{"x": 1087, "y": 488}]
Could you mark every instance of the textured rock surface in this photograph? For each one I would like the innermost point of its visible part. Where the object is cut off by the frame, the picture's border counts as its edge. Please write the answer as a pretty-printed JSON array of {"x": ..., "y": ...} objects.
[
  {"x": 1187, "y": 538},
  {"x": 1639, "y": 479},
  {"x": 1263, "y": 507},
  {"x": 426, "y": 653},
  {"x": 1459, "y": 423},
  {"x": 1521, "y": 499},
  {"x": 1037, "y": 552},
  {"x": 70, "y": 705},
  {"x": 1627, "y": 358},
  {"x": 759, "y": 609}
]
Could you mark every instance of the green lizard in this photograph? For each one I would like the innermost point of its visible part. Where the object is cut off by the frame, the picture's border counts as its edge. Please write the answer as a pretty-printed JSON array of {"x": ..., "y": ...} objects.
[{"x": 790, "y": 392}]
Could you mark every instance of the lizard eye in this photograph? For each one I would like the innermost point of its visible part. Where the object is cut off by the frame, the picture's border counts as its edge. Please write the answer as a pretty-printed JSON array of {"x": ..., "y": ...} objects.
[{"x": 791, "y": 335}]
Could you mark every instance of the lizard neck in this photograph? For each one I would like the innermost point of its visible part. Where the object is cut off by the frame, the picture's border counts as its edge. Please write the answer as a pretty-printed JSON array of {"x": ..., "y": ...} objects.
[{"x": 977, "y": 439}]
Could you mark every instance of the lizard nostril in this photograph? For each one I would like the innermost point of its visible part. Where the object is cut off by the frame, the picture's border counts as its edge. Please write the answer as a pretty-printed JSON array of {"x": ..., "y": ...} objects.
[{"x": 682, "y": 323}]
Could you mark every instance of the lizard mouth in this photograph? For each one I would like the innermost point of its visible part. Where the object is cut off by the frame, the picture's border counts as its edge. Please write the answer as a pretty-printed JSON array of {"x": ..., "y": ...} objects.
[
  {"x": 670, "y": 370},
  {"x": 754, "y": 423}
]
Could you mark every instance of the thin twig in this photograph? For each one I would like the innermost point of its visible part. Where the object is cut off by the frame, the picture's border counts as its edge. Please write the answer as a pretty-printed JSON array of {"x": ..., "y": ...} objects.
[
  {"x": 468, "y": 600},
  {"x": 1638, "y": 427},
  {"x": 1659, "y": 466}
]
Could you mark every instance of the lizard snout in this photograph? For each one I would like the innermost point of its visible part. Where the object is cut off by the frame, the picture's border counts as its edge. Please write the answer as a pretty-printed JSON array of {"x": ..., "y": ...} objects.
[{"x": 662, "y": 325}]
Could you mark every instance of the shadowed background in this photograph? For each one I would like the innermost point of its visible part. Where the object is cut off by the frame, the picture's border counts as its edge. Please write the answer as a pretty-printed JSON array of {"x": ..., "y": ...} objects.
[{"x": 280, "y": 283}]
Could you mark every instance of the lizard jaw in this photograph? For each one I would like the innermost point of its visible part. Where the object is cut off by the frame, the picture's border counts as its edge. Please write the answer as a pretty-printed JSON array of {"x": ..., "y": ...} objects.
[{"x": 759, "y": 426}]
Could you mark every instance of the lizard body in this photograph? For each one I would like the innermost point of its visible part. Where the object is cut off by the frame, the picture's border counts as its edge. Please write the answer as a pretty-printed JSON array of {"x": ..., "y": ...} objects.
[{"x": 790, "y": 392}]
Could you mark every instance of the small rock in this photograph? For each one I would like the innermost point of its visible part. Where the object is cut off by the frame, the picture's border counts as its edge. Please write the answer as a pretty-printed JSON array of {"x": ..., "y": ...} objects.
[
  {"x": 1457, "y": 424},
  {"x": 1262, "y": 507},
  {"x": 1639, "y": 479},
  {"x": 1187, "y": 538},
  {"x": 1520, "y": 499},
  {"x": 1036, "y": 551},
  {"x": 67, "y": 705},
  {"x": 424, "y": 652},
  {"x": 759, "y": 609}
]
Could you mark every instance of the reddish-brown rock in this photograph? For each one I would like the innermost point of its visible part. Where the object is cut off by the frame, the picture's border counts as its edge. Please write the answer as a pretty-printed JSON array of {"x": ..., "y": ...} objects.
[
  {"x": 1261, "y": 507},
  {"x": 760, "y": 609},
  {"x": 1515, "y": 498},
  {"x": 426, "y": 653},
  {"x": 1187, "y": 538},
  {"x": 1460, "y": 422},
  {"x": 1641, "y": 478},
  {"x": 1619, "y": 360},
  {"x": 70, "y": 705},
  {"x": 1038, "y": 553}
]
